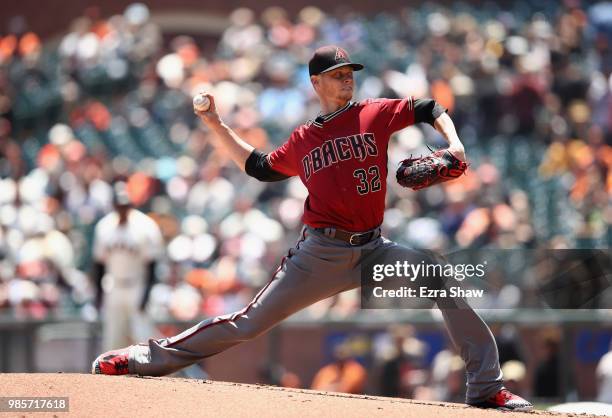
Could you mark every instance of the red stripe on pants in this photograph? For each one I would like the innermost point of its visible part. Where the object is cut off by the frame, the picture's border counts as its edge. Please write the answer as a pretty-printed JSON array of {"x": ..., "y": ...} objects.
[{"x": 246, "y": 309}]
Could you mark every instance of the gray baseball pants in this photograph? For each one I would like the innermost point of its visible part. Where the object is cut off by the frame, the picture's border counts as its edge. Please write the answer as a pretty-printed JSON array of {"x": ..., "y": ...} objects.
[{"x": 316, "y": 268}]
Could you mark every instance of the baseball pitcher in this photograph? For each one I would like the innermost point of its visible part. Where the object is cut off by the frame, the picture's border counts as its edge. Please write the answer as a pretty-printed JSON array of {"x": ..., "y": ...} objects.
[{"x": 341, "y": 157}]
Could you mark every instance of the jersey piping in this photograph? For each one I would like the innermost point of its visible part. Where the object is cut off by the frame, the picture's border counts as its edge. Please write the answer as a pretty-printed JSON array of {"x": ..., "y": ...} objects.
[{"x": 318, "y": 122}]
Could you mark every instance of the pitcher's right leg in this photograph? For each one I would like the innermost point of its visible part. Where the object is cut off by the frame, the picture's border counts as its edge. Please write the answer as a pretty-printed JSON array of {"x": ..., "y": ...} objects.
[{"x": 311, "y": 272}]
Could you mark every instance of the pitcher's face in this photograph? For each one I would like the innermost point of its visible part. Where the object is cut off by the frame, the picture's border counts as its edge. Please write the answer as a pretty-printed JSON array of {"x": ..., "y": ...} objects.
[{"x": 337, "y": 85}]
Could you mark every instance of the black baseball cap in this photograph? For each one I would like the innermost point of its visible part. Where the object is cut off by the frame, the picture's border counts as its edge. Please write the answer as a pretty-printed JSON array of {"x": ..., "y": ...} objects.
[{"x": 329, "y": 58}]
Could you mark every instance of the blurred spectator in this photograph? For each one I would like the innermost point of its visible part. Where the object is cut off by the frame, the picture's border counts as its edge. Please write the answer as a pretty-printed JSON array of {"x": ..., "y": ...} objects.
[
  {"x": 403, "y": 371},
  {"x": 508, "y": 344},
  {"x": 345, "y": 374},
  {"x": 447, "y": 381},
  {"x": 277, "y": 375},
  {"x": 604, "y": 378},
  {"x": 546, "y": 382},
  {"x": 514, "y": 376}
]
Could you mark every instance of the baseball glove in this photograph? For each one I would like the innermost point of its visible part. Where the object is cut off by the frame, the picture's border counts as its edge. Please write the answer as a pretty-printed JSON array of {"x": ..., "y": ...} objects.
[{"x": 437, "y": 167}]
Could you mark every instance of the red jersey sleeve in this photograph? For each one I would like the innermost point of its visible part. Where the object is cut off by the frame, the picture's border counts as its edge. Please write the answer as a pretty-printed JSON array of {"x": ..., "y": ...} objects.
[
  {"x": 283, "y": 159},
  {"x": 399, "y": 113}
]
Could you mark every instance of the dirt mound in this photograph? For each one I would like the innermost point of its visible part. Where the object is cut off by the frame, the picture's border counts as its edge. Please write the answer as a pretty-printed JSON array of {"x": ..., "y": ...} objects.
[{"x": 109, "y": 396}]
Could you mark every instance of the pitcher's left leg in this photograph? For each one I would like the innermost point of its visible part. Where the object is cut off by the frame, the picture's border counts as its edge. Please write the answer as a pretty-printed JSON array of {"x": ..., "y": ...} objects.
[
  {"x": 468, "y": 332},
  {"x": 476, "y": 345}
]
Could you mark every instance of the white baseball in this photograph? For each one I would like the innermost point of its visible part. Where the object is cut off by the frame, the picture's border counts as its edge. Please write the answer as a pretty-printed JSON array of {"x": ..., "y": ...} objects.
[{"x": 201, "y": 103}]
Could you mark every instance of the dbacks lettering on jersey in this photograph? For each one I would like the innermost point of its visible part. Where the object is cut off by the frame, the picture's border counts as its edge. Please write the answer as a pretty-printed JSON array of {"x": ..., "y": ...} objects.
[{"x": 359, "y": 147}]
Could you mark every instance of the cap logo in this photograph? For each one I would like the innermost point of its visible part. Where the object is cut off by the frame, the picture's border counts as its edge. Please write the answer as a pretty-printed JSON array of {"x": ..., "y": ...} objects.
[{"x": 341, "y": 55}]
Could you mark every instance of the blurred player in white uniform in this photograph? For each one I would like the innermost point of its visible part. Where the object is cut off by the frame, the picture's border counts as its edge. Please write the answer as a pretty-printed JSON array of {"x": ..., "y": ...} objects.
[{"x": 127, "y": 244}]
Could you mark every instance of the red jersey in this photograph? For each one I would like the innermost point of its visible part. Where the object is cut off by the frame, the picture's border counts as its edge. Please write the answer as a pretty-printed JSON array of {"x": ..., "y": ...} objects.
[{"x": 342, "y": 160}]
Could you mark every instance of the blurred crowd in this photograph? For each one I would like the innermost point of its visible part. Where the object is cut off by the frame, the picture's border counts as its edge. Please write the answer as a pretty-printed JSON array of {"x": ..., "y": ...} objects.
[
  {"x": 529, "y": 89},
  {"x": 407, "y": 362}
]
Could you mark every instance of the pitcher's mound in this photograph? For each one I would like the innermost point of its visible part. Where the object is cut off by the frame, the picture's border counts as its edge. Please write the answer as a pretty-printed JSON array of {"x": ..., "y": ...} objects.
[{"x": 122, "y": 396}]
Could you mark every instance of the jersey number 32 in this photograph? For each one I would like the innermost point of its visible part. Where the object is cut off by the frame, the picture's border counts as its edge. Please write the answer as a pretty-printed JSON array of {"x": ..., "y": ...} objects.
[{"x": 369, "y": 181}]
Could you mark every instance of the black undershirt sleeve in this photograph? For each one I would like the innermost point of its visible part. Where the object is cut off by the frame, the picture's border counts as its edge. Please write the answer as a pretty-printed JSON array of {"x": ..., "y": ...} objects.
[
  {"x": 427, "y": 110},
  {"x": 258, "y": 166}
]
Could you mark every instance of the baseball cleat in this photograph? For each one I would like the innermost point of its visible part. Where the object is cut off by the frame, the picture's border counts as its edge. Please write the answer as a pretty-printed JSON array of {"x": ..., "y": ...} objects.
[
  {"x": 505, "y": 400},
  {"x": 113, "y": 362}
]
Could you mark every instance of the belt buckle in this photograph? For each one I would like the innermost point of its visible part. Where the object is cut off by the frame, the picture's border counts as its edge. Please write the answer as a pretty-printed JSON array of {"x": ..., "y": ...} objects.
[{"x": 354, "y": 236}]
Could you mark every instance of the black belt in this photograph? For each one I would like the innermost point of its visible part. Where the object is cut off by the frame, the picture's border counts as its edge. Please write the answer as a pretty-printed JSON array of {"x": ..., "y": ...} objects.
[{"x": 353, "y": 238}]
